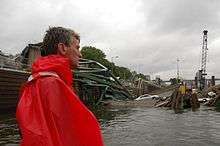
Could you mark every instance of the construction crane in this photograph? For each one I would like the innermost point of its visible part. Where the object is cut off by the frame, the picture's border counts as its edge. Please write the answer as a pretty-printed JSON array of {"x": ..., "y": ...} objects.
[
  {"x": 204, "y": 52},
  {"x": 202, "y": 72}
]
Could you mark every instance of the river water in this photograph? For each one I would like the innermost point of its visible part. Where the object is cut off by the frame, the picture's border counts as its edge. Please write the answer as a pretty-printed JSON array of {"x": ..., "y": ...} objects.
[{"x": 143, "y": 126}]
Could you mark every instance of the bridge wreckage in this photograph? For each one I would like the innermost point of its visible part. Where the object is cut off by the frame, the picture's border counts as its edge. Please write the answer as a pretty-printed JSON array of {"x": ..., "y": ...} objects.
[{"x": 93, "y": 82}]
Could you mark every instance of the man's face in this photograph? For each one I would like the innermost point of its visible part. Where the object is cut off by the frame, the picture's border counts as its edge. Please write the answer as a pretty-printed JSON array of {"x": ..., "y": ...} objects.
[{"x": 73, "y": 53}]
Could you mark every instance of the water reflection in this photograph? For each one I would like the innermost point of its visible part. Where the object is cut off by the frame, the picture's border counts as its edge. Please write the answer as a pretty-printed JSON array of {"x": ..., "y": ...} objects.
[
  {"x": 9, "y": 133},
  {"x": 107, "y": 114},
  {"x": 142, "y": 126},
  {"x": 163, "y": 127}
]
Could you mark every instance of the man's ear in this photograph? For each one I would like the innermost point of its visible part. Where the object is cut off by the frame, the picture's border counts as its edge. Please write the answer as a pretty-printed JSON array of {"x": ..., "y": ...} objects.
[{"x": 61, "y": 49}]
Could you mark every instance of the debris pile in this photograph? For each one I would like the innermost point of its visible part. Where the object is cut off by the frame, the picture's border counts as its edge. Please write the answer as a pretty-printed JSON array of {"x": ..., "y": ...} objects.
[
  {"x": 179, "y": 100},
  {"x": 213, "y": 93}
]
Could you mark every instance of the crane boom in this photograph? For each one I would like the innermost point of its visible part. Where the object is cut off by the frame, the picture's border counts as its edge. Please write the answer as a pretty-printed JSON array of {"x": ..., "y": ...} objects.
[{"x": 204, "y": 52}]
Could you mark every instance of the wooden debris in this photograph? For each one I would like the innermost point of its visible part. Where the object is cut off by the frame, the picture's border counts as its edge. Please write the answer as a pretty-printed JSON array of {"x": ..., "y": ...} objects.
[
  {"x": 178, "y": 101},
  {"x": 215, "y": 100}
]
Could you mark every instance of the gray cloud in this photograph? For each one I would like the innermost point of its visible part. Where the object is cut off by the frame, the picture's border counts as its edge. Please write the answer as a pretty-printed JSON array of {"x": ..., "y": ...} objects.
[
  {"x": 148, "y": 36},
  {"x": 169, "y": 16}
]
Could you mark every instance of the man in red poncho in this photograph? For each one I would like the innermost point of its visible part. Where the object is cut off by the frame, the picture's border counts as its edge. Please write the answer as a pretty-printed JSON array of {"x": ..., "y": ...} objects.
[{"x": 49, "y": 113}]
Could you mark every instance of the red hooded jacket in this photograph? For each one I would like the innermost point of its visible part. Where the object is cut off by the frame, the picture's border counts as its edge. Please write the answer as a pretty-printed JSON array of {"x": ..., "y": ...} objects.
[{"x": 49, "y": 113}]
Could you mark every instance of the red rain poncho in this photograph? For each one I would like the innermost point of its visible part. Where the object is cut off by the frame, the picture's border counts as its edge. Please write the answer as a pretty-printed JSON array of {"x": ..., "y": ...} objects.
[{"x": 49, "y": 113}]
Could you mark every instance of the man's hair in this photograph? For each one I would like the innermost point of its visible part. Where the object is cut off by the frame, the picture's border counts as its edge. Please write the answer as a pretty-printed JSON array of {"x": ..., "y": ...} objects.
[{"x": 54, "y": 36}]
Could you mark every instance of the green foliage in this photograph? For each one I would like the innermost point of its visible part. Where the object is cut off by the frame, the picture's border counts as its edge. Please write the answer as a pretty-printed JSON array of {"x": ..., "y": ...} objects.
[
  {"x": 92, "y": 53},
  {"x": 122, "y": 72},
  {"x": 142, "y": 76},
  {"x": 174, "y": 81}
]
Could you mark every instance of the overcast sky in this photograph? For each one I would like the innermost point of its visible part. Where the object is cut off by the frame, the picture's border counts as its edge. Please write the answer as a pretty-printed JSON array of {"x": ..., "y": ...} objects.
[{"x": 147, "y": 35}]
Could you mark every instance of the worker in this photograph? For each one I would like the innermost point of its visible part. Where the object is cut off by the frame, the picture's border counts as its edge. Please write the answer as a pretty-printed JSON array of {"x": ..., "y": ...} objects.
[
  {"x": 182, "y": 89},
  {"x": 49, "y": 113}
]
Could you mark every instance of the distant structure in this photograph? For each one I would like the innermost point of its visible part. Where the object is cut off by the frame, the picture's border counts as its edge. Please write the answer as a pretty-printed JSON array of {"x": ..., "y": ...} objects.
[
  {"x": 200, "y": 75},
  {"x": 204, "y": 52},
  {"x": 147, "y": 77},
  {"x": 178, "y": 70},
  {"x": 31, "y": 52},
  {"x": 8, "y": 61}
]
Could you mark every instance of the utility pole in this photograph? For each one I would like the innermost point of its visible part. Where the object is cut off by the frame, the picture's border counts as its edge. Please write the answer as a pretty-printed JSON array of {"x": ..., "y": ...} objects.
[
  {"x": 178, "y": 71},
  {"x": 112, "y": 60}
]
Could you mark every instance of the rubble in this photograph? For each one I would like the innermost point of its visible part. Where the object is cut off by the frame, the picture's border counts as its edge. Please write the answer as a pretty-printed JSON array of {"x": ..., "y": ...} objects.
[
  {"x": 191, "y": 98},
  {"x": 178, "y": 100},
  {"x": 213, "y": 93}
]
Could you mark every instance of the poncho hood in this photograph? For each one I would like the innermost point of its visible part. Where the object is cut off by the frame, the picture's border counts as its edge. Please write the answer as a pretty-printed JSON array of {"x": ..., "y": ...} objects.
[{"x": 54, "y": 63}]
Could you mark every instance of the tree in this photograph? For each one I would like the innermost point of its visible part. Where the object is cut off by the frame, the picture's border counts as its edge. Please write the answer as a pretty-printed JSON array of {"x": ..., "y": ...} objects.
[
  {"x": 174, "y": 81},
  {"x": 142, "y": 76},
  {"x": 92, "y": 53}
]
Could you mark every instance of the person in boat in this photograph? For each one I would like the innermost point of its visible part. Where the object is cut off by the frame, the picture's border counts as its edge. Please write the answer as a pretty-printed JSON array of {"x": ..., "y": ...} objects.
[{"x": 49, "y": 113}]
